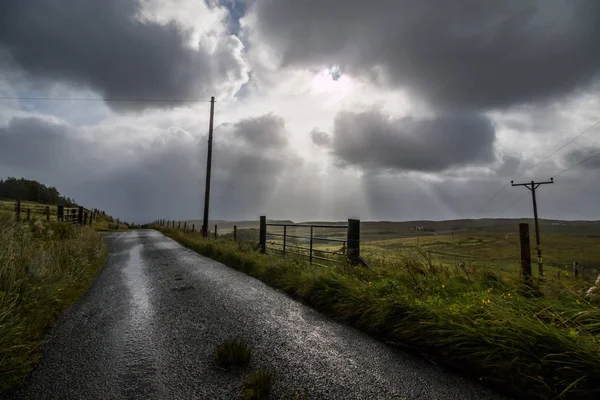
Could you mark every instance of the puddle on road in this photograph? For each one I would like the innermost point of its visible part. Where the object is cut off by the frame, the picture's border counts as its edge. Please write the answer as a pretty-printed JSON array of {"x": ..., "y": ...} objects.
[{"x": 134, "y": 351}]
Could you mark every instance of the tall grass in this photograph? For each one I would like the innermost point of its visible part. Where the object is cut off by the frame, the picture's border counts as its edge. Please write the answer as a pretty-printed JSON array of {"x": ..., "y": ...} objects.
[
  {"x": 44, "y": 268},
  {"x": 539, "y": 344}
]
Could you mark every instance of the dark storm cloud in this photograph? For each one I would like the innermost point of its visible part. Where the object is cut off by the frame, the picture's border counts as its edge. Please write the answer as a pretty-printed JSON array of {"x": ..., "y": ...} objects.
[
  {"x": 589, "y": 157},
  {"x": 320, "y": 138},
  {"x": 372, "y": 140},
  {"x": 264, "y": 131},
  {"x": 101, "y": 44},
  {"x": 163, "y": 177},
  {"x": 454, "y": 54}
]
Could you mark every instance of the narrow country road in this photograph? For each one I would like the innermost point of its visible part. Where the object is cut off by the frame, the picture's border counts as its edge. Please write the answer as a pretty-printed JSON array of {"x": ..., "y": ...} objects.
[{"x": 149, "y": 325}]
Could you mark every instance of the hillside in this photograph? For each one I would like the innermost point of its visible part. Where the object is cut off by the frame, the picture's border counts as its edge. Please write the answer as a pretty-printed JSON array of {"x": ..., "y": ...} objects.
[{"x": 28, "y": 190}]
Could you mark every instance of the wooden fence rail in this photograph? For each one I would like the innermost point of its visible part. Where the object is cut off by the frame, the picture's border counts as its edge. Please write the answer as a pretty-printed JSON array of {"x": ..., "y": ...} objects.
[{"x": 75, "y": 215}]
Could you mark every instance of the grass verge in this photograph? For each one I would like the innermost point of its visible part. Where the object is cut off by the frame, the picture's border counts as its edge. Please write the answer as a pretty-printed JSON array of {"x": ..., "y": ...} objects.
[
  {"x": 233, "y": 353},
  {"x": 44, "y": 268},
  {"x": 257, "y": 385},
  {"x": 545, "y": 346}
]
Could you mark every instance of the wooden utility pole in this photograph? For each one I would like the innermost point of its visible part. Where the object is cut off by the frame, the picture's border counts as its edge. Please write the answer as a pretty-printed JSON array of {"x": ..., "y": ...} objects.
[
  {"x": 532, "y": 186},
  {"x": 208, "y": 167}
]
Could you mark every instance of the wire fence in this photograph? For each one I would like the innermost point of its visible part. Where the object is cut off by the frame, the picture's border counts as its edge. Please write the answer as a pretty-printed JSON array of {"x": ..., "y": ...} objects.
[
  {"x": 30, "y": 211},
  {"x": 312, "y": 241}
]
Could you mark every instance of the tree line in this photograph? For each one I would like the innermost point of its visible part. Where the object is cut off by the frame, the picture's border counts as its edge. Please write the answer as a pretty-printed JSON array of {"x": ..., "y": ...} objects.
[{"x": 28, "y": 190}]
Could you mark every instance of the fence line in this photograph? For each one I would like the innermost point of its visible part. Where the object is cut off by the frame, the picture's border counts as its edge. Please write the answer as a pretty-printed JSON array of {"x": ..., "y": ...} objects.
[
  {"x": 75, "y": 215},
  {"x": 288, "y": 242}
]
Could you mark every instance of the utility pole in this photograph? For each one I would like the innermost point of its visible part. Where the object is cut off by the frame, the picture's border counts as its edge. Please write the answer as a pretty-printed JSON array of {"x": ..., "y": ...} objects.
[
  {"x": 208, "y": 167},
  {"x": 532, "y": 186}
]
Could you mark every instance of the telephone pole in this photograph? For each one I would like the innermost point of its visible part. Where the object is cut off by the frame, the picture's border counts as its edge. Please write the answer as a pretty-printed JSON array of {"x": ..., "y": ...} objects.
[
  {"x": 208, "y": 168},
  {"x": 532, "y": 186}
]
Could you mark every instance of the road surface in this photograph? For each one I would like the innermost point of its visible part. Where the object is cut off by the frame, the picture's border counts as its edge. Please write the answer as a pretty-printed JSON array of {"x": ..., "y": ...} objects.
[{"x": 149, "y": 325}]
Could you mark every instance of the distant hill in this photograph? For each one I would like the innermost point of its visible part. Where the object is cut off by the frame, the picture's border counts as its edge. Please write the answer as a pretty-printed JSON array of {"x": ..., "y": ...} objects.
[
  {"x": 424, "y": 227},
  {"x": 28, "y": 190}
]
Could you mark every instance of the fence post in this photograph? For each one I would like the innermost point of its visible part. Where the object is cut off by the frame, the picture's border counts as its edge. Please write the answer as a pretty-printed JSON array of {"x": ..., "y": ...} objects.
[
  {"x": 310, "y": 255},
  {"x": 18, "y": 210},
  {"x": 179, "y": 225},
  {"x": 263, "y": 235},
  {"x": 47, "y": 213},
  {"x": 85, "y": 218},
  {"x": 353, "y": 250},
  {"x": 80, "y": 215},
  {"x": 235, "y": 233},
  {"x": 193, "y": 227},
  {"x": 215, "y": 231},
  {"x": 60, "y": 213},
  {"x": 28, "y": 214},
  {"x": 525, "y": 252},
  {"x": 185, "y": 225},
  {"x": 284, "y": 237}
]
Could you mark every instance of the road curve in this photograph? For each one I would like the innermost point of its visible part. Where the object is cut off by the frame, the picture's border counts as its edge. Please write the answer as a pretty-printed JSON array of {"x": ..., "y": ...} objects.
[{"x": 149, "y": 324}]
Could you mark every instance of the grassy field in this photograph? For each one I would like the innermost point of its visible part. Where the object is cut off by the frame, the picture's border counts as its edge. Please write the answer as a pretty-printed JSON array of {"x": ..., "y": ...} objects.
[
  {"x": 44, "y": 268},
  {"x": 538, "y": 343},
  {"x": 478, "y": 244},
  {"x": 37, "y": 212}
]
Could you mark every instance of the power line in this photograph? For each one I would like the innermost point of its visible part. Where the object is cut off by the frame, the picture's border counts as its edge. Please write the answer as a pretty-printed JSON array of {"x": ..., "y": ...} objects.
[
  {"x": 578, "y": 164},
  {"x": 105, "y": 100},
  {"x": 510, "y": 206},
  {"x": 544, "y": 159},
  {"x": 560, "y": 148}
]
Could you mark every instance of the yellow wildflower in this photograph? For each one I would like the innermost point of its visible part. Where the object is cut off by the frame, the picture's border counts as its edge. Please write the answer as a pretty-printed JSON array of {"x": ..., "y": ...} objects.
[{"x": 443, "y": 286}]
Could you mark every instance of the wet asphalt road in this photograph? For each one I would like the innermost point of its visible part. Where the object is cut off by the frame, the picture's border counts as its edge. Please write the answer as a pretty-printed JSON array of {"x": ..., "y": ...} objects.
[{"x": 149, "y": 324}]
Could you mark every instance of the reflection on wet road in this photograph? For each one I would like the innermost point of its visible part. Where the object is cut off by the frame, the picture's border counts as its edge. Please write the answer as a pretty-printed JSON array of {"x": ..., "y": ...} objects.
[{"x": 148, "y": 327}]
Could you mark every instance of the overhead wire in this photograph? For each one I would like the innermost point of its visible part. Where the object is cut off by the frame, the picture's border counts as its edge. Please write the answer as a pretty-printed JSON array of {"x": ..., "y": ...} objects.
[
  {"x": 597, "y": 123},
  {"x": 104, "y": 99}
]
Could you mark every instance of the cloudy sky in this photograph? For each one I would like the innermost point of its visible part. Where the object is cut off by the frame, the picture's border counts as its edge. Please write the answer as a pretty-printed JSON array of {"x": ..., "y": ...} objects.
[{"x": 326, "y": 109}]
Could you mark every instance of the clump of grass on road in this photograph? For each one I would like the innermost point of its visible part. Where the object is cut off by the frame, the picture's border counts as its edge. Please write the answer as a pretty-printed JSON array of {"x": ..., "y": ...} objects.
[
  {"x": 233, "y": 353},
  {"x": 44, "y": 268},
  {"x": 257, "y": 385},
  {"x": 545, "y": 346}
]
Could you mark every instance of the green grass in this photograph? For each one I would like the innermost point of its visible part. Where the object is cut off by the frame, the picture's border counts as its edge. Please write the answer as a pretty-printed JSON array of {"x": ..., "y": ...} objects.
[
  {"x": 44, "y": 268},
  {"x": 477, "y": 322},
  {"x": 233, "y": 353},
  {"x": 257, "y": 385}
]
